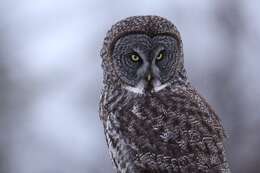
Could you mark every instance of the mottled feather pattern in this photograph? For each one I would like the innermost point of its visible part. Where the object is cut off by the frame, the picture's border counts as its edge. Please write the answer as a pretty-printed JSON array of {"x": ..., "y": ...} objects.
[{"x": 166, "y": 132}]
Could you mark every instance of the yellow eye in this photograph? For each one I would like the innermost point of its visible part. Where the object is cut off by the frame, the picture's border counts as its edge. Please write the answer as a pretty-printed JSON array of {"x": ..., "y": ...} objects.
[
  {"x": 135, "y": 58},
  {"x": 160, "y": 56}
]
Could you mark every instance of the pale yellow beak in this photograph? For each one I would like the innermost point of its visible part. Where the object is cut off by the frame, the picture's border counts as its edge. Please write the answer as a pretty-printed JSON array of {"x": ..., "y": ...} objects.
[{"x": 149, "y": 77}]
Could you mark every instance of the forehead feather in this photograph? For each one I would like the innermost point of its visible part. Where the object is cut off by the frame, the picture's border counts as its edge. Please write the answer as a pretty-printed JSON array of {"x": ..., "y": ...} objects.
[{"x": 149, "y": 25}]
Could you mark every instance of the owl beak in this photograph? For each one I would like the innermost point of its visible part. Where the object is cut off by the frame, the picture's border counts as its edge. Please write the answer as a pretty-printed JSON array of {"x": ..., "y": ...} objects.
[{"x": 149, "y": 77}]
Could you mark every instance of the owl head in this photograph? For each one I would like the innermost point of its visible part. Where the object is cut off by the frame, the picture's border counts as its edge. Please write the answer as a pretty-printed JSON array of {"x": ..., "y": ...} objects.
[{"x": 142, "y": 54}]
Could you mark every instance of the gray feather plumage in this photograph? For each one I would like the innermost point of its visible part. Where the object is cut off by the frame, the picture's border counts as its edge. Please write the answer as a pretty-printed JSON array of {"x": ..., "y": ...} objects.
[{"x": 173, "y": 130}]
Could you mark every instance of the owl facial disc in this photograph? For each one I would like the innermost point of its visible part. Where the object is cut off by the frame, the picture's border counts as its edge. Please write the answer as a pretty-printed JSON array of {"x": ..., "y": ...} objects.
[{"x": 145, "y": 64}]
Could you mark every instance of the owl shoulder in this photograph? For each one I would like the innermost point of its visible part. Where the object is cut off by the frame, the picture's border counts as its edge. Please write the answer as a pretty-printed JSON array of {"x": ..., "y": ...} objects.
[{"x": 198, "y": 105}]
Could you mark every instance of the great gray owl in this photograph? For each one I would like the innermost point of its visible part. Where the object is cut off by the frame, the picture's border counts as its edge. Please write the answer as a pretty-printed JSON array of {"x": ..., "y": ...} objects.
[{"x": 154, "y": 120}]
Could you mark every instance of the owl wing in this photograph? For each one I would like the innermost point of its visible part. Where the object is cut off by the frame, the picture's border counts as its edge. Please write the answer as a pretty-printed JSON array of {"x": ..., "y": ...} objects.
[
  {"x": 118, "y": 150},
  {"x": 192, "y": 136},
  {"x": 208, "y": 148}
]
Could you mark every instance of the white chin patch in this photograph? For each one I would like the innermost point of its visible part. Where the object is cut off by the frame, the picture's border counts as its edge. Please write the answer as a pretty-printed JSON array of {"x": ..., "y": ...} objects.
[
  {"x": 138, "y": 89},
  {"x": 157, "y": 86}
]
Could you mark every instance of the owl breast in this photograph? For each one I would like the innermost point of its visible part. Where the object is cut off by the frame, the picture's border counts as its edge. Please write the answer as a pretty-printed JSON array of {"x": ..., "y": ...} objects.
[{"x": 168, "y": 131}]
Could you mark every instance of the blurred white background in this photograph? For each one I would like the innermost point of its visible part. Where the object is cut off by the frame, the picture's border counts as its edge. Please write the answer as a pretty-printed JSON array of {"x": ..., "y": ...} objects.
[{"x": 50, "y": 77}]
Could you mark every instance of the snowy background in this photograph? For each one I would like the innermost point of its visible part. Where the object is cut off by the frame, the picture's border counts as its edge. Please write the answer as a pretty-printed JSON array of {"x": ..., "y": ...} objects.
[{"x": 50, "y": 77}]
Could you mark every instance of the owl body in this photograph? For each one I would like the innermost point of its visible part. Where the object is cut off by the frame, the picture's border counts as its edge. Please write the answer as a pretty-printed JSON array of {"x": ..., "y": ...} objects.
[{"x": 154, "y": 120}]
